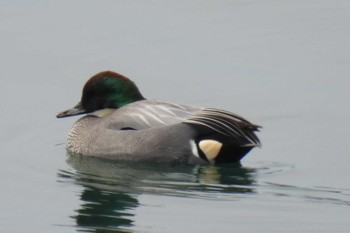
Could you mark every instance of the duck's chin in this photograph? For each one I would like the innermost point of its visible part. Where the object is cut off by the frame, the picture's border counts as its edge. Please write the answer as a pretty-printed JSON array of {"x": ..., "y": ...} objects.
[{"x": 102, "y": 112}]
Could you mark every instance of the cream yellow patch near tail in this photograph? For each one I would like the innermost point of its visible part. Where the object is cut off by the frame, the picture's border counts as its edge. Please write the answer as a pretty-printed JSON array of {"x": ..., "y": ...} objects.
[{"x": 210, "y": 148}]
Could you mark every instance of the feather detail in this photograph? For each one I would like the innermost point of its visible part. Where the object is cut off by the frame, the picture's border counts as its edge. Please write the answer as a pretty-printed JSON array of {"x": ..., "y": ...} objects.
[{"x": 228, "y": 124}]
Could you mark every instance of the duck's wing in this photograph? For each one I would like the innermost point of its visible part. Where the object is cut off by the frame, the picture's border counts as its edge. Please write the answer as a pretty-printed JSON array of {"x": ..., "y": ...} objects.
[
  {"x": 228, "y": 124},
  {"x": 150, "y": 114}
]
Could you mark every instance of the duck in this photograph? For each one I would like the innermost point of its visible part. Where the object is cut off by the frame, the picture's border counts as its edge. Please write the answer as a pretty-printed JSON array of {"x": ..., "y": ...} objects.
[{"x": 120, "y": 124}]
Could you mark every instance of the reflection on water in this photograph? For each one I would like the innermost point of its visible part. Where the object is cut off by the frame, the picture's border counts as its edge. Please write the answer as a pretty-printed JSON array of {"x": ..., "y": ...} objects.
[
  {"x": 110, "y": 189},
  {"x": 104, "y": 210}
]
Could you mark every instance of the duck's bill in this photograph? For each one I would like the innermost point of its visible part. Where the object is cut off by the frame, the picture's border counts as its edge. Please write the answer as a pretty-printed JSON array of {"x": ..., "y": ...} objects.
[{"x": 77, "y": 110}]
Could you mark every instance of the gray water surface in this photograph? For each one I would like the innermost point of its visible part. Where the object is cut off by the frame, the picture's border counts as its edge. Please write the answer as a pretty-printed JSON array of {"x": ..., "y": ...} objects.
[{"x": 281, "y": 64}]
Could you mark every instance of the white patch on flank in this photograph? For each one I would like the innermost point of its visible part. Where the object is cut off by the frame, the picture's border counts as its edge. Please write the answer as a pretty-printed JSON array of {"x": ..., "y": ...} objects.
[
  {"x": 194, "y": 148},
  {"x": 210, "y": 148},
  {"x": 102, "y": 112}
]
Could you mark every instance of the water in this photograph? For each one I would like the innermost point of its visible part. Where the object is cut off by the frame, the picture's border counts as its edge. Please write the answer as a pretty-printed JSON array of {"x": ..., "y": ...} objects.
[{"x": 281, "y": 64}]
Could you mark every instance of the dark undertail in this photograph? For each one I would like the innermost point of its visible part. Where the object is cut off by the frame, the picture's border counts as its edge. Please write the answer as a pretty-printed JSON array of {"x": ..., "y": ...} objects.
[
  {"x": 232, "y": 154},
  {"x": 226, "y": 138},
  {"x": 232, "y": 150}
]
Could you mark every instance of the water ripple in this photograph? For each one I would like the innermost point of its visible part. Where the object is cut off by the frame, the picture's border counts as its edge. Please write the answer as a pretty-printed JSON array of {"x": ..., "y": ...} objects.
[{"x": 110, "y": 190}]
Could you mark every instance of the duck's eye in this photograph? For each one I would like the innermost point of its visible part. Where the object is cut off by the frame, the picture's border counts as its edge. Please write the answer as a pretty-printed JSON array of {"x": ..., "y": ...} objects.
[{"x": 127, "y": 128}]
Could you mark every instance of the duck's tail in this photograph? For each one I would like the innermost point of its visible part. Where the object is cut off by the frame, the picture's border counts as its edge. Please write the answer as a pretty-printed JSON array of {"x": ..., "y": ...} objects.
[{"x": 223, "y": 137}]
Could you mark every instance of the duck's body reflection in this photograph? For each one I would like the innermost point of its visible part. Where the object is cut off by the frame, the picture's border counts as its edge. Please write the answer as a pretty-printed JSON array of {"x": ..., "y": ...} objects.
[
  {"x": 110, "y": 189},
  {"x": 104, "y": 210}
]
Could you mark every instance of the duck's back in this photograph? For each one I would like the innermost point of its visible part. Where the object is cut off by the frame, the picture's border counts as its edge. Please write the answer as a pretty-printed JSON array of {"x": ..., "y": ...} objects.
[{"x": 149, "y": 114}]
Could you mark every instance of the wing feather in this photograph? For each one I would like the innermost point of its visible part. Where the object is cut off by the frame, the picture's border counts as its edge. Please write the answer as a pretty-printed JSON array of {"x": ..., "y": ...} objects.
[
  {"x": 226, "y": 123},
  {"x": 151, "y": 114}
]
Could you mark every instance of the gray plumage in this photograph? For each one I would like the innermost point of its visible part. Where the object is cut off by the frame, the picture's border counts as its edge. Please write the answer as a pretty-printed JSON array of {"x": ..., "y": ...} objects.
[{"x": 156, "y": 131}]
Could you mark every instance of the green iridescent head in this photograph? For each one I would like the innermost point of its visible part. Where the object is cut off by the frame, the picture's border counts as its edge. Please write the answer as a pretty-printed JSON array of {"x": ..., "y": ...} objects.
[{"x": 105, "y": 90}]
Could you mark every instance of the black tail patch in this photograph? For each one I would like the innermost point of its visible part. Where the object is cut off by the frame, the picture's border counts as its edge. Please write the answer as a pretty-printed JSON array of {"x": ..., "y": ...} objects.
[{"x": 230, "y": 152}]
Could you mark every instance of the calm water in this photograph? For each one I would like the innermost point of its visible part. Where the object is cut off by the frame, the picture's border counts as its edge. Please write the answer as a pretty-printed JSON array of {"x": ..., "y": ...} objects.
[{"x": 282, "y": 64}]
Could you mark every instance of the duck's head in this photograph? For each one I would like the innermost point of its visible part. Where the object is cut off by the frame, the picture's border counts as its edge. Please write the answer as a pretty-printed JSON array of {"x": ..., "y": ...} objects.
[{"x": 105, "y": 90}]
